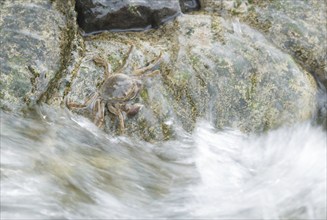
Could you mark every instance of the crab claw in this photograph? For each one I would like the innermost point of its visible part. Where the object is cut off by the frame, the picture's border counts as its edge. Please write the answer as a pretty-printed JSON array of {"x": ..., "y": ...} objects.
[{"x": 132, "y": 110}]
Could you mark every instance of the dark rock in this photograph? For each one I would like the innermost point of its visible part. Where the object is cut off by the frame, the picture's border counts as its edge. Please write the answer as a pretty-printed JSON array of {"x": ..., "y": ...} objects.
[
  {"x": 190, "y": 5},
  {"x": 96, "y": 16}
]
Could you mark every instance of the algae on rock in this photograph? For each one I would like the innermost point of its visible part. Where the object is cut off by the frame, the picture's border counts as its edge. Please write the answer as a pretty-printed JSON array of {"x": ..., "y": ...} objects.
[
  {"x": 32, "y": 35},
  {"x": 214, "y": 67},
  {"x": 238, "y": 79}
]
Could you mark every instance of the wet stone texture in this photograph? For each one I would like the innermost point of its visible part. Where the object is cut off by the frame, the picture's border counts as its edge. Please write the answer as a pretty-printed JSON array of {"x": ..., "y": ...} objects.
[
  {"x": 116, "y": 15},
  {"x": 217, "y": 66},
  {"x": 228, "y": 73},
  {"x": 298, "y": 27},
  {"x": 31, "y": 49},
  {"x": 214, "y": 69},
  {"x": 189, "y": 5}
]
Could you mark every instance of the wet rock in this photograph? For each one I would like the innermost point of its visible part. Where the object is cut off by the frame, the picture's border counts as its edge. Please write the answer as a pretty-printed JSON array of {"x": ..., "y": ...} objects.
[
  {"x": 189, "y": 5},
  {"x": 97, "y": 16},
  {"x": 225, "y": 7},
  {"x": 32, "y": 36},
  {"x": 214, "y": 69},
  {"x": 299, "y": 28},
  {"x": 230, "y": 74}
]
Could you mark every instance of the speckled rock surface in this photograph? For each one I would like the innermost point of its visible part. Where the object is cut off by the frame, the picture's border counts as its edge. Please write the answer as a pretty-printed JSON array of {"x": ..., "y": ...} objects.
[
  {"x": 214, "y": 69},
  {"x": 97, "y": 16},
  {"x": 216, "y": 66},
  {"x": 297, "y": 27},
  {"x": 32, "y": 45}
]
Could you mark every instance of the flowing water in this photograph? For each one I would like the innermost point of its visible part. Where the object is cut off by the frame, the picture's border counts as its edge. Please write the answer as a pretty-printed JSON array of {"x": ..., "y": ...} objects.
[{"x": 57, "y": 165}]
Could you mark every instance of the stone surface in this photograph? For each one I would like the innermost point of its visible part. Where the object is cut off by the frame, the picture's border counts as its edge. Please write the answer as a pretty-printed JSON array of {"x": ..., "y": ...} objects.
[
  {"x": 189, "y": 5},
  {"x": 297, "y": 27},
  {"x": 235, "y": 77},
  {"x": 214, "y": 69},
  {"x": 32, "y": 45},
  {"x": 100, "y": 15}
]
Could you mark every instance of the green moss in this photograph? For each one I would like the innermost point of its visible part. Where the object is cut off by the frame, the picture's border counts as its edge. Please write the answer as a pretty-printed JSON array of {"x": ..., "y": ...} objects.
[
  {"x": 181, "y": 77},
  {"x": 149, "y": 133},
  {"x": 167, "y": 131},
  {"x": 254, "y": 82},
  {"x": 144, "y": 95},
  {"x": 195, "y": 60},
  {"x": 133, "y": 9},
  {"x": 113, "y": 60},
  {"x": 237, "y": 3}
]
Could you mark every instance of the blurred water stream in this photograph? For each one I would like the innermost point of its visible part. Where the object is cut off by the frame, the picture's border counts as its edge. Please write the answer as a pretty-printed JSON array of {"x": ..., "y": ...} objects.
[{"x": 58, "y": 165}]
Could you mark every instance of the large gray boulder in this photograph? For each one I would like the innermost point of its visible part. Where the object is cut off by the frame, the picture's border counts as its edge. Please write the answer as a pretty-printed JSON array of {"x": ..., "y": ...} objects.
[
  {"x": 34, "y": 41},
  {"x": 297, "y": 27},
  {"x": 214, "y": 69}
]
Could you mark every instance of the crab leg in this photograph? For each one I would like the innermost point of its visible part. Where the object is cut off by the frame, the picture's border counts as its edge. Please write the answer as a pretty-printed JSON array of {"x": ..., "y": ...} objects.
[
  {"x": 72, "y": 105},
  {"x": 149, "y": 67},
  {"x": 99, "y": 117},
  {"x": 121, "y": 122},
  {"x": 123, "y": 65},
  {"x": 153, "y": 73},
  {"x": 91, "y": 101},
  {"x": 100, "y": 61},
  {"x": 116, "y": 111}
]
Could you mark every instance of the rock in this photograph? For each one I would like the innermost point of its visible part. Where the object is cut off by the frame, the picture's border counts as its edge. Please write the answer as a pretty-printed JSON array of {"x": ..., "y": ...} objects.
[
  {"x": 97, "y": 16},
  {"x": 297, "y": 27},
  {"x": 230, "y": 74},
  {"x": 224, "y": 7},
  {"x": 32, "y": 36},
  {"x": 214, "y": 69},
  {"x": 189, "y": 5}
]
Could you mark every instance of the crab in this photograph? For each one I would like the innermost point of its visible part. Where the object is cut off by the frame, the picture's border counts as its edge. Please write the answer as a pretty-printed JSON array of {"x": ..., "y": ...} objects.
[{"x": 117, "y": 91}]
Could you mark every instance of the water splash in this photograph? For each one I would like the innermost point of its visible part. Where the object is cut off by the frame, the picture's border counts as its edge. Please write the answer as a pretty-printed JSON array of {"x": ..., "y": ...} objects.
[
  {"x": 58, "y": 165},
  {"x": 278, "y": 175}
]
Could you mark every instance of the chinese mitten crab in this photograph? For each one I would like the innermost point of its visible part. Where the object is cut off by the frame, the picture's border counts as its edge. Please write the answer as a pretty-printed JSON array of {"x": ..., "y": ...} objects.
[{"x": 117, "y": 91}]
